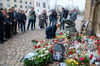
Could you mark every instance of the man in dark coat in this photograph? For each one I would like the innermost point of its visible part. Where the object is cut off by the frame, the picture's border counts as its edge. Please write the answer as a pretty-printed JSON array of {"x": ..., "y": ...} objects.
[
  {"x": 2, "y": 22},
  {"x": 11, "y": 19},
  {"x": 14, "y": 22},
  {"x": 63, "y": 16},
  {"x": 23, "y": 21},
  {"x": 51, "y": 31}
]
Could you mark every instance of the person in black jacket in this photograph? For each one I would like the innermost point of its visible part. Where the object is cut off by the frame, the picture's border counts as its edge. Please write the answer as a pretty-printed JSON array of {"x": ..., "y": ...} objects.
[
  {"x": 63, "y": 16},
  {"x": 51, "y": 31},
  {"x": 8, "y": 24},
  {"x": 54, "y": 17},
  {"x": 23, "y": 21},
  {"x": 14, "y": 22},
  {"x": 2, "y": 23},
  {"x": 11, "y": 19}
]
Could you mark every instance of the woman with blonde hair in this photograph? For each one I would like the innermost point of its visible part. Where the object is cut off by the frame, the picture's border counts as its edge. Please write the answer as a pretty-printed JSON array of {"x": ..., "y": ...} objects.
[{"x": 7, "y": 25}]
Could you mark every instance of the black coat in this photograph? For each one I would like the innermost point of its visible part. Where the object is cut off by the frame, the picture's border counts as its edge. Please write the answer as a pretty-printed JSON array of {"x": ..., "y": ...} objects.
[
  {"x": 23, "y": 17},
  {"x": 65, "y": 15},
  {"x": 2, "y": 19},
  {"x": 11, "y": 16},
  {"x": 51, "y": 32},
  {"x": 15, "y": 15},
  {"x": 54, "y": 15}
]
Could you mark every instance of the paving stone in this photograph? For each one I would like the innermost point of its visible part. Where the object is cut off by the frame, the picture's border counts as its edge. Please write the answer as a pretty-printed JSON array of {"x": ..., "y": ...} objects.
[{"x": 13, "y": 62}]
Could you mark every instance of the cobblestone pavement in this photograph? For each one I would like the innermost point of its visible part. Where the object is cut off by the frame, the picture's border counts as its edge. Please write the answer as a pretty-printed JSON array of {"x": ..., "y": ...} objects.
[{"x": 19, "y": 45}]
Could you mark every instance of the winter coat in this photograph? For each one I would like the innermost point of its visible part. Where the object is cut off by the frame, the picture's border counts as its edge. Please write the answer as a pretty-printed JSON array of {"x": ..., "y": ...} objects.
[{"x": 51, "y": 32}]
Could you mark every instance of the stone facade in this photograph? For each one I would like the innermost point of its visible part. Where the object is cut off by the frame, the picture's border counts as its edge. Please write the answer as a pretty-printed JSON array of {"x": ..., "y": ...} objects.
[
  {"x": 92, "y": 13},
  {"x": 18, "y": 4}
]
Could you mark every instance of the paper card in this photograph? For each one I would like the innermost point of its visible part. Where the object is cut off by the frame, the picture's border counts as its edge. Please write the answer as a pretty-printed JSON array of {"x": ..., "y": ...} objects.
[{"x": 62, "y": 64}]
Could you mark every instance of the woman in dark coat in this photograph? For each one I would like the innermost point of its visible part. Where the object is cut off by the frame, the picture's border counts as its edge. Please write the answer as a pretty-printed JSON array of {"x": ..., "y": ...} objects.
[
  {"x": 41, "y": 21},
  {"x": 7, "y": 25}
]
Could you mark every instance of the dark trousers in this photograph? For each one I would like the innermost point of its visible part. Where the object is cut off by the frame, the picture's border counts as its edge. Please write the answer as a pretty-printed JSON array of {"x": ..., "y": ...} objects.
[
  {"x": 45, "y": 23},
  {"x": 7, "y": 31},
  {"x": 15, "y": 27},
  {"x": 62, "y": 25},
  {"x": 32, "y": 22},
  {"x": 23, "y": 26},
  {"x": 1, "y": 33},
  {"x": 50, "y": 22}
]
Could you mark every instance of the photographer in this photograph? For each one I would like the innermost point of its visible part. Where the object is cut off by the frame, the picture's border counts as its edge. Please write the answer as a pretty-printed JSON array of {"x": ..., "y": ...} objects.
[{"x": 32, "y": 19}]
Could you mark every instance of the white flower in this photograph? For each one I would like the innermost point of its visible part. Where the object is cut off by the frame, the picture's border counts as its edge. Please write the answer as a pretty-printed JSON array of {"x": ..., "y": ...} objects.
[
  {"x": 41, "y": 55},
  {"x": 38, "y": 43},
  {"x": 46, "y": 51}
]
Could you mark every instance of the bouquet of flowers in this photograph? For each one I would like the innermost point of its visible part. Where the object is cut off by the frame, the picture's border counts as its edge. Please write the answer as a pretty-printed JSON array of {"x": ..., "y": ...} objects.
[{"x": 71, "y": 62}]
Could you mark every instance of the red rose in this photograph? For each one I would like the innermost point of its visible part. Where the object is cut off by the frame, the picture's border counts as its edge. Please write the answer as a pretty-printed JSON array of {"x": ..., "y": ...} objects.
[
  {"x": 92, "y": 38},
  {"x": 79, "y": 41},
  {"x": 97, "y": 40},
  {"x": 61, "y": 33},
  {"x": 83, "y": 42},
  {"x": 47, "y": 44},
  {"x": 41, "y": 41},
  {"x": 95, "y": 43},
  {"x": 70, "y": 52},
  {"x": 50, "y": 51},
  {"x": 89, "y": 36},
  {"x": 68, "y": 39},
  {"x": 35, "y": 47},
  {"x": 91, "y": 56},
  {"x": 36, "y": 41},
  {"x": 98, "y": 59},
  {"x": 53, "y": 41},
  {"x": 39, "y": 46}
]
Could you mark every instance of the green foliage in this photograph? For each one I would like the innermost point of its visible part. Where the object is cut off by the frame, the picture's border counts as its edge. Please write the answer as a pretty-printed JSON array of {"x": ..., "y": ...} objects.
[{"x": 39, "y": 61}]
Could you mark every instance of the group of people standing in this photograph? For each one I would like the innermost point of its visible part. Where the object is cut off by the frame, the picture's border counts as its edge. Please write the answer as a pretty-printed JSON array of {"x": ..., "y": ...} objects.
[
  {"x": 9, "y": 20},
  {"x": 54, "y": 17}
]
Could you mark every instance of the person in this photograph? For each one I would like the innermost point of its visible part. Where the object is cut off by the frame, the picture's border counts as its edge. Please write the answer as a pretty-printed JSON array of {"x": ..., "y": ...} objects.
[
  {"x": 10, "y": 13},
  {"x": 2, "y": 23},
  {"x": 45, "y": 18},
  {"x": 7, "y": 25},
  {"x": 63, "y": 16},
  {"x": 14, "y": 21},
  {"x": 32, "y": 19},
  {"x": 23, "y": 21},
  {"x": 19, "y": 18},
  {"x": 54, "y": 17},
  {"x": 73, "y": 15},
  {"x": 41, "y": 21},
  {"x": 51, "y": 31}
]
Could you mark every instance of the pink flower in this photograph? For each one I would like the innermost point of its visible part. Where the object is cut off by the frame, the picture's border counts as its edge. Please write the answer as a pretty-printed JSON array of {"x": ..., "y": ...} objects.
[
  {"x": 81, "y": 58},
  {"x": 84, "y": 46},
  {"x": 41, "y": 41}
]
